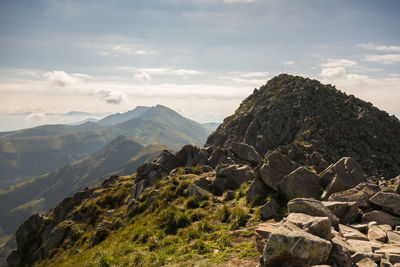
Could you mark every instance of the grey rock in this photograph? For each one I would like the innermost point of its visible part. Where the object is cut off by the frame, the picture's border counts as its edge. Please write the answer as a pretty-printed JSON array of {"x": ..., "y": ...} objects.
[
  {"x": 344, "y": 174},
  {"x": 218, "y": 186},
  {"x": 311, "y": 207},
  {"x": 347, "y": 212},
  {"x": 245, "y": 152},
  {"x": 300, "y": 183},
  {"x": 190, "y": 155},
  {"x": 387, "y": 201},
  {"x": 381, "y": 217},
  {"x": 290, "y": 245},
  {"x": 257, "y": 191},
  {"x": 361, "y": 194},
  {"x": 235, "y": 175},
  {"x": 340, "y": 255},
  {"x": 319, "y": 226},
  {"x": 274, "y": 169},
  {"x": 269, "y": 209}
]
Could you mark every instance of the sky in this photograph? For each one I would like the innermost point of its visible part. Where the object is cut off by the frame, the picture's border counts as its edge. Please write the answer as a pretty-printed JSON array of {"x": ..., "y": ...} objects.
[{"x": 65, "y": 61}]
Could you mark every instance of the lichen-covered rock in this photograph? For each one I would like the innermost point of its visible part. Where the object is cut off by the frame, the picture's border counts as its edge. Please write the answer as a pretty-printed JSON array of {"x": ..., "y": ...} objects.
[
  {"x": 300, "y": 183},
  {"x": 269, "y": 209},
  {"x": 168, "y": 160},
  {"x": 190, "y": 155},
  {"x": 319, "y": 226},
  {"x": 360, "y": 194},
  {"x": 274, "y": 169},
  {"x": 290, "y": 245},
  {"x": 311, "y": 207},
  {"x": 344, "y": 174},
  {"x": 387, "y": 201}
]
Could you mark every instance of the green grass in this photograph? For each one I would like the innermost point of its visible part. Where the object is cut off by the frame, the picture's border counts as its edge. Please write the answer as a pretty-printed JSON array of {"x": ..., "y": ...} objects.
[{"x": 175, "y": 229}]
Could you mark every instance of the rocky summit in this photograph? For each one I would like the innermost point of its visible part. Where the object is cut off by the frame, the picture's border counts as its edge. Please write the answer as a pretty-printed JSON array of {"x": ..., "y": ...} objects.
[
  {"x": 282, "y": 182},
  {"x": 300, "y": 116}
]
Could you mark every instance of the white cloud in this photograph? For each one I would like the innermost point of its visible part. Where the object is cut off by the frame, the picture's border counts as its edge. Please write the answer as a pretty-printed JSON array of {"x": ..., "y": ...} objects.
[
  {"x": 128, "y": 50},
  {"x": 336, "y": 62},
  {"x": 333, "y": 73},
  {"x": 238, "y": 1},
  {"x": 169, "y": 71},
  {"x": 385, "y": 59},
  {"x": 108, "y": 96},
  {"x": 142, "y": 77},
  {"x": 388, "y": 48},
  {"x": 59, "y": 78},
  {"x": 288, "y": 63}
]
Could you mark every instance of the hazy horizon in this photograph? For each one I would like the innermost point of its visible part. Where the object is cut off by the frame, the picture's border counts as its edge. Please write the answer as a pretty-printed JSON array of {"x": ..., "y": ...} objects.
[{"x": 198, "y": 57}]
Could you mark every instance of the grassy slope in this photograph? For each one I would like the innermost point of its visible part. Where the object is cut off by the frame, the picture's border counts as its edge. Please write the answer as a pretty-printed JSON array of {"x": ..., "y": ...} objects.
[
  {"x": 175, "y": 230},
  {"x": 40, "y": 194}
]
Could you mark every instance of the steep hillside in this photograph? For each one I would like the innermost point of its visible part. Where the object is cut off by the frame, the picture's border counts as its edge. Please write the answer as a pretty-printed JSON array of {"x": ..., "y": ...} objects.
[
  {"x": 35, "y": 155},
  {"x": 122, "y": 156},
  {"x": 302, "y": 115}
]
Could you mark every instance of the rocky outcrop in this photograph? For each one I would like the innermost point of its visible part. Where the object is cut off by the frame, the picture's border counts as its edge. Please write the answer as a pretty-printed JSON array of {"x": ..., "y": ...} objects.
[
  {"x": 303, "y": 116},
  {"x": 269, "y": 209}
]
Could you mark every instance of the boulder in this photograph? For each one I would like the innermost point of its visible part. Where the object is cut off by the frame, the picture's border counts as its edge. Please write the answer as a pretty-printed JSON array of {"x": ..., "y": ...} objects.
[
  {"x": 344, "y": 174},
  {"x": 392, "y": 237},
  {"x": 351, "y": 233},
  {"x": 168, "y": 160},
  {"x": 219, "y": 156},
  {"x": 235, "y": 175},
  {"x": 361, "y": 246},
  {"x": 376, "y": 234},
  {"x": 245, "y": 152},
  {"x": 262, "y": 233},
  {"x": 361, "y": 194},
  {"x": 340, "y": 255},
  {"x": 274, "y": 169},
  {"x": 150, "y": 172},
  {"x": 196, "y": 191},
  {"x": 385, "y": 263},
  {"x": 218, "y": 186},
  {"x": 190, "y": 155},
  {"x": 311, "y": 207},
  {"x": 269, "y": 209},
  {"x": 380, "y": 217},
  {"x": 137, "y": 190},
  {"x": 257, "y": 191},
  {"x": 387, "y": 201},
  {"x": 319, "y": 226},
  {"x": 300, "y": 183},
  {"x": 55, "y": 237},
  {"x": 347, "y": 212},
  {"x": 289, "y": 245}
]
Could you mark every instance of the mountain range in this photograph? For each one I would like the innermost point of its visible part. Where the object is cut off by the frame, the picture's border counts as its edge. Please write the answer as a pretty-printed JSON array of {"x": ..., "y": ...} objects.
[{"x": 36, "y": 151}]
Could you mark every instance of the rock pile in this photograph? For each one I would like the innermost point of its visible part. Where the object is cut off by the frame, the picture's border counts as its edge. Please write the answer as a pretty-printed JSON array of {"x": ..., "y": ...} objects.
[{"x": 301, "y": 116}]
